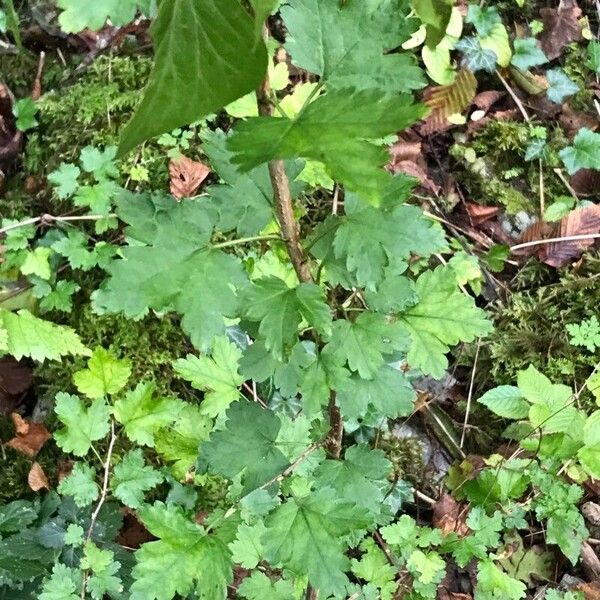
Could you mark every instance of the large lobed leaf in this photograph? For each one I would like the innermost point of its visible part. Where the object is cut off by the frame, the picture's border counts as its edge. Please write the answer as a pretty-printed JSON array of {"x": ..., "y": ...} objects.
[{"x": 207, "y": 55}]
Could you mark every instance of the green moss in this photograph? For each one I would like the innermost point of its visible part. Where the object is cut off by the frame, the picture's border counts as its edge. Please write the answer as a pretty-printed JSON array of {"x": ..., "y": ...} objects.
[
  {"x": 406, "y": 456},
  {"x": 575, "y": 58}
]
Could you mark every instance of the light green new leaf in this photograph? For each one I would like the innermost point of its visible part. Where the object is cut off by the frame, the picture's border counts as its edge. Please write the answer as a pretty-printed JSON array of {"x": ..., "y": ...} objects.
[
  {"x": 248, "y": 446},
  {"x": 584, "y": 153},
  {"x": 65, "y": 180},
  {"x": 37, "y": 263},
  {"x": 171, "y": 266},
  {"x": 102, "y": 580},
  {"x": 443, "y": 317},
  {"x": 259, "y": 587},
  {"x": 280, "y": 310},
  {"x": 22, "y": 334},
  {"x": 493, "y": 582},
  {"x": 143, "y": 414},
  {"x": 334, "y": 129},
  {"x": 132, "y": 477},
  {"x": 216, "y": 375},
  {"x": 82, "y": 425},
  {"x": 183, "y": 558},
  {"x": 81, "y": 485},
  {"x": 589, "y": 455},
  {"x": 506, "y": 401},
  {"x": 336, "y": 42},
  {"x": 436, "y": 16},
  {"x": 207, "y": 55},
  {"x": 360, "y": 478},
  {"x": 64, "y": 584},
  {"x": 306, "y": 535},
  {"x": 538, "y": 389},
  {"x": 247, "y": 549},
  {"x": 104, "y": 375}
]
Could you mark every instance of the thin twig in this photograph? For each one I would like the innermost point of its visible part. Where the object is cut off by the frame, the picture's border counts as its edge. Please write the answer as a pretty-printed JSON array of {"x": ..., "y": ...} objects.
[
  {"x": 289, "y": 470},
  {"x": 542, "y": 190},
  {"x": 569, "y": 187},
  {"x": 470, "y": 395},
  {"x": 424, "y": 497},
  {"x": 566, "y": 238},
  {"x": 514, "y": 96},
  {"x": 48, "y": 219},
  {"x": 255, "y": 238},
  {"x": 103, "y": 494}
]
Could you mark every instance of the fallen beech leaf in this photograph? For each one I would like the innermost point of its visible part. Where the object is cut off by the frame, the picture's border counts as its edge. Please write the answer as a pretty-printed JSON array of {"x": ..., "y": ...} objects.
[
  {"x": 485, "y": 100},
  {"x": 561, "y": 27},
  {"x": 572, "y": 121},
  {"x": 448, "y": 100},
  {"x": 540, "y": 230},
  {"x": 480, "y": 214},
  {"x": 407, "y": 157},
  {"x": 186, "y": 176},
  {"x": 449, "y": 516},
  {"x": 591, "y": 591},
  {"x": 586, "y": 182},
  {"x": 30, "y": 436},
  {"x": 37, "y": 479}
]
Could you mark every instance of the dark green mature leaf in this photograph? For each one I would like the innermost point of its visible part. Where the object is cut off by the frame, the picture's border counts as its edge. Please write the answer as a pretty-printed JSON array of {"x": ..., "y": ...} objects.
[
  {"x": 307, "y": 534},
  {"x": 443, "y": 317},
  {"x": 183, "y": 558},
  {"x": 247, "y": 446},
  {"x": 436, "y": 16},
  {"x": 280, "y": 310},
  {"x": 245, "y": 201},
  {"x": 361, "y": 477},
  {"x": 171, "y": 265},
  {"x": 16, "y": 515},
  {"x": 335, "y": 40},
  {"x": 207, "y": 55},
  {"x": 389, "y": 393},
  {"x": 335, "y": 130}
]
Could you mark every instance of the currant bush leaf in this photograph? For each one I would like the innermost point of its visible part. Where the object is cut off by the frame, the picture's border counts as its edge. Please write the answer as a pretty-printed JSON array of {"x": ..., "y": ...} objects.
[
  {"x": 335, "y": 42},
  {"x": 64, "y": 584},
  {"x": 172, "y": 266},
  {"x": 132, "y": 477},
  {"x": 103, "y": 579},
  {"x": 280, "y": 310},
  {"x": 247, "y": 549},
  {"x": 306, "y": 535},
  {"x": 506, "y": 401},
  {"x": 192, "y": 558},
  {"x": 77, "y": 17},
  {"x": 258, "y": 587},
  {"x": 444, "y": 316},
  {"x": 82, "y": 425},
  {"x": 105, "y": 375},
  {"x": 334, "y": 129},
  {"x": 81, "y": 485},
  {"x": 216, "y": 375},
  {"x": 248, "y": 446},
  {"x": 218, "y": 38}
]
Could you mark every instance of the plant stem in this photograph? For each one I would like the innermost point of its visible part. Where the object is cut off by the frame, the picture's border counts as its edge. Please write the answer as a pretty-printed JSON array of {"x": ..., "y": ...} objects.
[
  {"x": 47, "y": 219},
  {"x": 255, "y": 238}
]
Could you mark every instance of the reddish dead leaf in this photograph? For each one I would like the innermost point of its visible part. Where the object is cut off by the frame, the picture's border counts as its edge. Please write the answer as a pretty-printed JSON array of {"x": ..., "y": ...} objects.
[
  {"x": 186, "y": 176},
  {"x": 572, "y": 121},
  {"x": 485, "y": 100},
  {"x": 480, "y": 214},
  {"x": 540, "y": 230},
  {"x": 591, "y": 591},
  {"x": 30, "y": 436},
  {"x": 407, "y": 157},
  {"x": 449, "y": 516},
  {"x": 586, "y": 182},
  {"x": 64, "y": 469},
  {"x": 444, "y": 594},
  {"x": 448, "y": 100},
  {"x": 37, "y": 479},
  {"x": 578, "y": 222},
  {"x": 561, "y": 27}
]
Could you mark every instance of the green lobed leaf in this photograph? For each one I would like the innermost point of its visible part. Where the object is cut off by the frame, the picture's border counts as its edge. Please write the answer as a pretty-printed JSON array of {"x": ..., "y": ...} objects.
[
  {"x": 560, "y": 86},
  {"x": 81, "y": 485},
  {"x": 593, "y": 54},
  {"x": 506, "y": 401},
  {"x": 64, "y": 584},
  {"x": 483, "y": 18},
  {"x": 131, "y": 478},
  {"x": 527, "y": 54},
  {"x": 206, "y": 56},
  {"x": 335, "y": 129},
  {"x": 584, "y": 153},
  {"x": 105, "y": 375}
]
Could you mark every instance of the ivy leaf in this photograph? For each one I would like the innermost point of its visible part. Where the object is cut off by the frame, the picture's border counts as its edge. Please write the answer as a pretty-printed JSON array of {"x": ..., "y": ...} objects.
[
  {"x": 483, "y": 19},
  {"x": 307, "y": 534},
  {"x": 82, "y": 425},
  {"x": 477, "y": 58},
  {"x": 64, "y": 584},
  {"x": 143, "y": 414},
  {"x": 218, "y": 38},
  {"x": 363, "y": 343},
  {"x": 360, "y": 478},
  {"x": 245, "y": 200},
  {"x": 584, "y": 153},
  {"x": 132, "y": 477},
  {"x": 179, "y": 442},
  {"x": 560, "y": 86},
  {"x": 527, "y": 54},
  {"x": 105, "y": 375},
  {"x": 248, "y": 445},
  {"x": 217, "y": 376},
  {"x": 389, "y": 393},
  {"x": 336, "y": 42},
  {"x": 444, "y": 316},
  {"x": 335, "y": 129},
  {"x": 65, "y": 180},
  {"x": 280, "y": 310},
  {"x": 172, "y": 266},
  {"x": 81, "y": 485},
  {"x": 183, "y": 558},
  {"x": 506, "y": 401},
  {"x": 22, "y": 334}
]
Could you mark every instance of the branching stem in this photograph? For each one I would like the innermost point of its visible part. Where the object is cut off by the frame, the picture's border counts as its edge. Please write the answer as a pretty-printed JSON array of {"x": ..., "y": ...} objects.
[{"x": 48, "y": 219}]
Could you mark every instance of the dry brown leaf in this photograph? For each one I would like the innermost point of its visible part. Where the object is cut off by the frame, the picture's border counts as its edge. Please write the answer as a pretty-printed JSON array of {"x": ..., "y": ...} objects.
[
  {"x": 448, "y": 100},
  {"x": 561, "y": 27},
  {"x": 591, "y": 591},
  {"x": 586, "y": 182},
  {"x": 30, "y": 436},
  {"x": 15, "y": 379},
  {"x": 449, "y": 516},
  {"x": 408, "y": 158},
  {"x": 481, "y": 214},
  {"x": 11, "y": 139},
  {"x": 37, "y": 479},
  {"x": 572, "y": 121},
  {"x": 186, "y": 176},
  {"x": 444, "y": 594}
]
